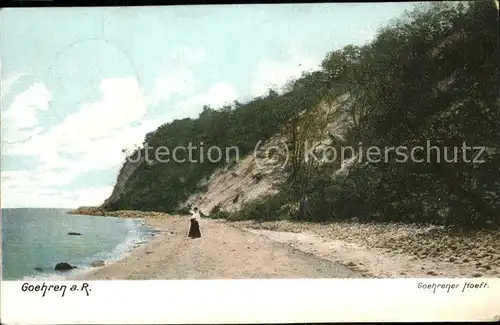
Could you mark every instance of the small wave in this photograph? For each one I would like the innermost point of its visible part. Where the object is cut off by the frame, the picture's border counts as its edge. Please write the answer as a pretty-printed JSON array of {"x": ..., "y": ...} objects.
[
  {"x": 138, "y": 233},
  {"x": 44, "y": 277}
]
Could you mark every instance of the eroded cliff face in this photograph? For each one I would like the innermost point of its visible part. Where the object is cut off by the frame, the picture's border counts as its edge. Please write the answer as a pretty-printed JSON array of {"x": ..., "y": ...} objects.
[
  {"x": 247, "y": 180},
  {"x": 127, "y": 170},
  {"x": 259, "y": 174}
]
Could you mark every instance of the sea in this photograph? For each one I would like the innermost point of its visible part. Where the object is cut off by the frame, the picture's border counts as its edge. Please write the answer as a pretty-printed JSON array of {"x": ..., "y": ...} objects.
[{"x": 35, "y": 240}]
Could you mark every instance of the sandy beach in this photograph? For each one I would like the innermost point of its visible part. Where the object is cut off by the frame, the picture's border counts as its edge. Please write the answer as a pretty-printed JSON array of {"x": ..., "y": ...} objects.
[
  {"x": 223, "y": 252},
  {"x": 239, "y": 250}
]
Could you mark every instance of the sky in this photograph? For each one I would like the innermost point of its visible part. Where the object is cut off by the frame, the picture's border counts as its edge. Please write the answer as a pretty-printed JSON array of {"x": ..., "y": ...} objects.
[{"x": 79, "y": 85}]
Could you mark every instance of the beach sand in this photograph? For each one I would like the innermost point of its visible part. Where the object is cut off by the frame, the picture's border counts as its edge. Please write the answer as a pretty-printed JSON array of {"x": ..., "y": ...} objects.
[
  {"x": 223, "y": 252},
  {"x": 239, "y": 250}
]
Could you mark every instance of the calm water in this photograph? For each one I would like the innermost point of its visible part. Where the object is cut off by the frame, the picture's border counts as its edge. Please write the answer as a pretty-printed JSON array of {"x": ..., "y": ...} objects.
[{"x": 33, "y": 238}]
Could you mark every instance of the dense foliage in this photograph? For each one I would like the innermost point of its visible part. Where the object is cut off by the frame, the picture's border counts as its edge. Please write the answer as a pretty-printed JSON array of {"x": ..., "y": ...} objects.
[{"x": 428, "y": 79}]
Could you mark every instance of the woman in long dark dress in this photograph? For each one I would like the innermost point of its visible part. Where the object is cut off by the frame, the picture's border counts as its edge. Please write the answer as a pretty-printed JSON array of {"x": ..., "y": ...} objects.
[{"x": 194, "y": 228}]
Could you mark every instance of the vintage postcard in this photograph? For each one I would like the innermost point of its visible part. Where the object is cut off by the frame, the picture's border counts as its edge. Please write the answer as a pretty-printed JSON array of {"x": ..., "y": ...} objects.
[{"x": 323, "y": 155}]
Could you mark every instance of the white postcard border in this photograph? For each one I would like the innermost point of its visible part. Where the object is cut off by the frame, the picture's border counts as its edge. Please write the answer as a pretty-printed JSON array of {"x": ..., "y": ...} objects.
[{"x": 251, "y": 301}]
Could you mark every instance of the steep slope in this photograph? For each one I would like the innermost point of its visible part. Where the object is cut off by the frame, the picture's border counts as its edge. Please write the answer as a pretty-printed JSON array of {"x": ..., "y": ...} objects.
[
  {"x": 259, "y": 174},
  {"x": 127, "y": 170}
]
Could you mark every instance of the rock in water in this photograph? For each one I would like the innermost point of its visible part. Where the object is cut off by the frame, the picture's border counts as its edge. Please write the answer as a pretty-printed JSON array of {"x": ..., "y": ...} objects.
[
  {"x": 63, "y": 266},
  {"x": 74, "y": 234},
  {"x": 194, "y": 229},
  {"x": 98, "y": 263},
  {"x": 39, "y": 269}
]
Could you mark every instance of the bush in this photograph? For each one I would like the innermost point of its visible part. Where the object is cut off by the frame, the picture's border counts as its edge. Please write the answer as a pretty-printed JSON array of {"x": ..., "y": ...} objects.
[
  {"x": 215, "y": 209},
  {"x": 217, "y": 213},
  {"x": 220, "y": 215},
  {"x": 266, "y": 209}
]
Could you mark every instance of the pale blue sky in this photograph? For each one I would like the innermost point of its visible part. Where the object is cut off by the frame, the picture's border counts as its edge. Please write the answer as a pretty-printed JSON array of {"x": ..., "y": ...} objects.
[{"x": 81, "y": 84}]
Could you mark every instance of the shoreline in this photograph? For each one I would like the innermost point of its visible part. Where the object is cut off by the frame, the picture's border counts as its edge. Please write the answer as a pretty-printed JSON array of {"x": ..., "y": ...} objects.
[
  {"x": 373, "y": 251},
  {"x": 131, "y": 247},
  {"x": 142, "y": 233},
  {"x": 145, "y": 218},
  {"x": 133, "y": 214},
  {"x": 174, "y": 256}
]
